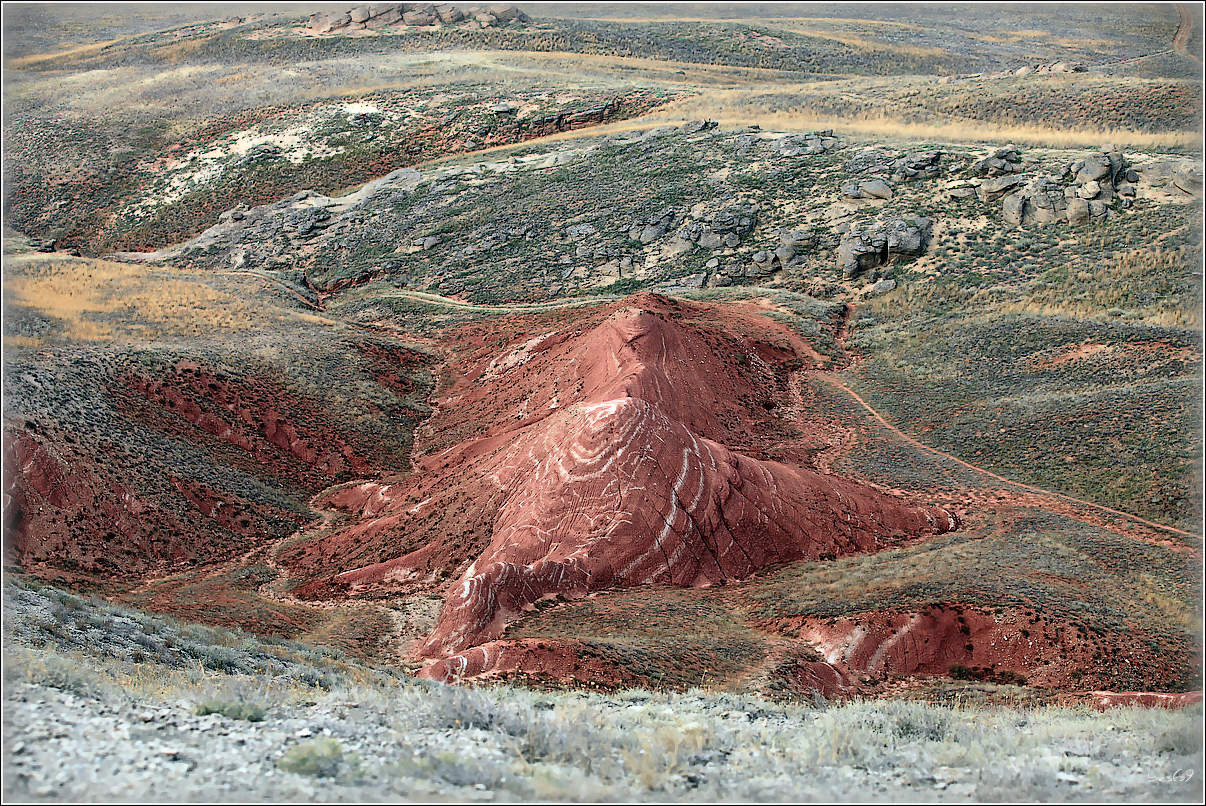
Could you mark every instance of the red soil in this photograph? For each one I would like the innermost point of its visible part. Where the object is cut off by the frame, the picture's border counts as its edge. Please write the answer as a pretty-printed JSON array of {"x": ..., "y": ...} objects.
[
  {"x": 82, "y": 508},
  {"x": 68, "y": 515},
  {"x": 592, "y": 456},
  {"x": 941, "y": 640},
  {"x": 271, "y": 426},
  {"x": 570, "y": 452}
]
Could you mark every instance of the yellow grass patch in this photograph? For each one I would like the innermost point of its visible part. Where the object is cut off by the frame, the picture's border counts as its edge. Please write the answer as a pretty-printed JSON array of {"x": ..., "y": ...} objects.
[
  {"x": 80, "y": 50},
  {"x": 104, "y": 300},
  {"x": 316, "y": 320},
  {"x": 861, "y": 43},
  {"x": 733, "y": 107}
]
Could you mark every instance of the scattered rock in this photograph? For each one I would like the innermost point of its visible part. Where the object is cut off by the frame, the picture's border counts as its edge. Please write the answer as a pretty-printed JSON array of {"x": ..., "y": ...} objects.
[
  {"x": 1045, "y": 68},
  {"x": 795, "y": 145},
  {"x": 412, "y": 14},
  {"x": 450, "y": 14},
  {"x": 576, "y": 232},
  {"x": 867, "y": 189},
  {"x": 1189, "y": 180},
  {"x": 1177, "y": 177},
  {"x": 1081, "y": 193},
  {"x": 418, "y": 18},
  {"x": 881, "y": 243},
  {"x": 506, "y": 13},
  {"x": 997, "y": 186},
  {"x": 1089, "y": 190},
  {"x": 961, "y": 188},
  {"x": 881, "y": 287},
  {"x": 1077, "y": 211},
  {"x": 1005, "y": 160},
  {"x": 694, "y": 126},
  {"x": 717, "y": 229},
  {"x": 651, "y": 233},
  {"x": 792, "y": 243},
  {"x": 917, "y": 165}
]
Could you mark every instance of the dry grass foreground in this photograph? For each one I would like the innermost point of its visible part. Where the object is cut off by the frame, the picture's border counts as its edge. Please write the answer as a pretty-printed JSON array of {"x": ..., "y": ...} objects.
[{"x": 102, "y": 702}]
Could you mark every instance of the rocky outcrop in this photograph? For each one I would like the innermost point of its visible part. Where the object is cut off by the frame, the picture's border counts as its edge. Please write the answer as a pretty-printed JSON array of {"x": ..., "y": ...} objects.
[
  {"x": 1041, "y": 68},
  {"x": 574, "y": 119},
  {"x": 896, "y": 169},
  {"x": 1040, "y": 200},
  {"x": 649, "y": 229},
  {"x": 867, "y": 189},
  {"x": 1171, "y": 176},
  {"x": 882, "y": 243},
  {"x": 401, "y": 15},
  {"x": 1046, "y": 68},
  {"x": 1084, "y": 190},
  {"x": 1004, "y": 160},
  {"x": 793, "y": 244},
  {"x": 717, "y": 229},
  {"x": 806, "y": 144},
  {"x": 696, "y": 126}
]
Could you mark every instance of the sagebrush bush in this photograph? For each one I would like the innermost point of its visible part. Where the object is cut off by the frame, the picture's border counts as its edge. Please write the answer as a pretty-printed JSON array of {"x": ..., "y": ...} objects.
[
  {"x": 247, "y": 711},
  {"x": 320, "y": 758}
]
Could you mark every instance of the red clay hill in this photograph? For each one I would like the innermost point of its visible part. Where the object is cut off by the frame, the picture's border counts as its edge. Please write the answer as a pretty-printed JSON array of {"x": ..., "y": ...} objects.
[{"x": 618, "y": 448}]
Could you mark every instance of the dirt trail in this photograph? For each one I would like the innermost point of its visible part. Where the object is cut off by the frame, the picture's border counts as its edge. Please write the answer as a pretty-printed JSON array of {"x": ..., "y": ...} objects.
[
  {"x": 1180, "y": 41},
  {"x": 831, "y": 379},
  {"x": 837, "y": 384},
  {"x": 506, "y": 307}
]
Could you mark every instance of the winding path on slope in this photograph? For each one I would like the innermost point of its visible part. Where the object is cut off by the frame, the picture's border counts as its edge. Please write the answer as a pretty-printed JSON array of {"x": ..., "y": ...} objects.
[
  {"x": 1180, "y": 41},
  {"x": 832, "y": 380},
  {"x": 837, "y": 384},
  {"x": 1179, "y": 45}
]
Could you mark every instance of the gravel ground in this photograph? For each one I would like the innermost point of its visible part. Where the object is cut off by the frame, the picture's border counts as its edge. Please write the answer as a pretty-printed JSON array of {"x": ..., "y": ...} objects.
[{"x": 84, "y": 722}]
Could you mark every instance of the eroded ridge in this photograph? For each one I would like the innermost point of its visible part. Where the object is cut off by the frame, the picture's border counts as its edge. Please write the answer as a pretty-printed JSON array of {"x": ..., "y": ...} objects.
[
  {"x": 617, "y": 493},
  {"x": 618, "y": 477}
]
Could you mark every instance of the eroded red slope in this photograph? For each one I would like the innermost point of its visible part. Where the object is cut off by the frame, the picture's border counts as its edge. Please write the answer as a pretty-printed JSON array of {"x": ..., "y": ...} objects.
[
  {"x": 166, "y": 464},
  {"x": 595, "y": 455}
]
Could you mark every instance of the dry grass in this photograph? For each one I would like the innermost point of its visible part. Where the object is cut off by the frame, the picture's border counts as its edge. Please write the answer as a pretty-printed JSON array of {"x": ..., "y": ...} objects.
[
  {"x": 107, "y": 301},
  {"x": 743, "y": 107},
  {"x": 1091, "y": 311},
  {"x": 866, "y": 45},
  {"x": 1178, "y": 611},
  {"x": 787, "y": 23},
  {"x": 815, "y": 27},
  {"x": 599, "y": 65},
  {"x": 81, "y": 50},
  {"x": 917, "y": 298}
]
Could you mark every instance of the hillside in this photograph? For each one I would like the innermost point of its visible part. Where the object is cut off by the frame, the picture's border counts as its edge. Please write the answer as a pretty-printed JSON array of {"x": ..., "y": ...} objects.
[{"x": 752, "y": 359}]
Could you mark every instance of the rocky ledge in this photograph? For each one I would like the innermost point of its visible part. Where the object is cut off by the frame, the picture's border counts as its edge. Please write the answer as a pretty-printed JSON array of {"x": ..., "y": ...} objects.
[{"x": 403, "y": 15}]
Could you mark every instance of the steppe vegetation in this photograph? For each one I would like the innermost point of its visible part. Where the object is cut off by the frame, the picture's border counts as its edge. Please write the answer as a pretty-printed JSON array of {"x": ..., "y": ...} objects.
[
  {"x": 139, "y": 364},
  {"x": 222, "y": 714},
  {"x": 1031, "y": 568},
  {"x": 243, "y": 259}
]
